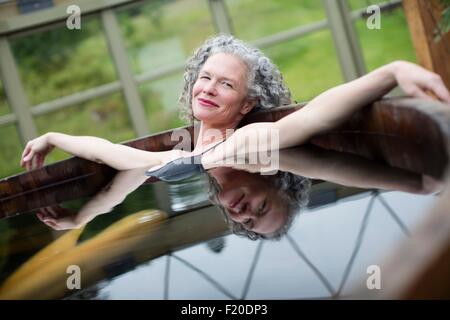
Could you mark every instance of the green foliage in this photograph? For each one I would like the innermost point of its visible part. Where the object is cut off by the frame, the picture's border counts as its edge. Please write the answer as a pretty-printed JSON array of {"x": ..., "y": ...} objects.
[
  {"x": 76, "y": 60},
  {"x": 296, "y": 58},
  {"x": 444, "y": 22},
  {"x": 272, "y": 16},
  {"x": 379, "y": 46},
  {"x": 3, "y": 105},
  {"x": 54, "y": 46},
  {"x": 11, "y": 151}
]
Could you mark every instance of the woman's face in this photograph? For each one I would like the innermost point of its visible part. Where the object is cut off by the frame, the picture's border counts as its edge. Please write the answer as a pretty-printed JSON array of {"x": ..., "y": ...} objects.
[
  {"x": 251, "y": 200},
  {"x": 219, "y": 94}
]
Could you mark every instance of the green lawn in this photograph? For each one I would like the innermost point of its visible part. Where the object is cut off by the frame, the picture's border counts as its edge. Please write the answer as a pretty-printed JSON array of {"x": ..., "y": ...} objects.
[{"x": 59, "y": 62}]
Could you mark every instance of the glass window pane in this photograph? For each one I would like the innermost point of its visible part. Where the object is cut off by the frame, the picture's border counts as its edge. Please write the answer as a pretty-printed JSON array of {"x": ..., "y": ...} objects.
[
  {"x": 105, "y": 117},
  {"x": 59, "y": 62},
  {"x": 161, "y": 33},
  {"x": 271, "y": 16},
  {"x": 4, "y": 107},
  {"x": 161, "y": 104},
  {"x": 391, "y": 42},
  {"x": 309, "y": 64},
  {"x": 11, "y": 151}
]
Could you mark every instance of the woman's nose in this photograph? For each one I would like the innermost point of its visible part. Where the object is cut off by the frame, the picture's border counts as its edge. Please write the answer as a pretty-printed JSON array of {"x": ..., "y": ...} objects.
[
  {"x": 235, "y": 216},
  {"x": 210, "y": 88},
  {"x": 240, "y": 213}
]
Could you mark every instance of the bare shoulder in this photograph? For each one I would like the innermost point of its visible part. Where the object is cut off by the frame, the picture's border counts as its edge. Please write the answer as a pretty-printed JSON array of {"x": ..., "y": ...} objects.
[{"x": 175, "y": 154}]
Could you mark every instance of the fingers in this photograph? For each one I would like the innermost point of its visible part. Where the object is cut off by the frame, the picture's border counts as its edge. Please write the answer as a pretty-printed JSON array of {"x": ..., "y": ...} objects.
[
  {"x": 53, "y": 212},
  {"x": 34, "y": 154},
  {"x": 49, "y": 217},
  {"x": 44, "y": 213},
  {"x": 438, "y": 88},
  {"x": 29, "y": 155},
  {"x": 51, "y": 223},
  {"x": 421, "y": 83},
  {"x": 62, "y": 212},
  {"x": 40, "y": 158},
  {"x": 25, "y": 152},
  {"x": 45, "y": 218},
  {"x": 28, "y": 165},
  {"x": 431, "y": 185},
  {"x": 33, "y": 160},
  {"x": 419, "y": 93},
  {"x": 40, "y": 215}
]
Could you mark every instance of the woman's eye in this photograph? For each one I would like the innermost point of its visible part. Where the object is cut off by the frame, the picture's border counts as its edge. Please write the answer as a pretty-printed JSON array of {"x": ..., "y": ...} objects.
[
  {"x": 226, "y": 84},
  {"x": 204, "y": 77},
  {"x": 263, "y": 206}
]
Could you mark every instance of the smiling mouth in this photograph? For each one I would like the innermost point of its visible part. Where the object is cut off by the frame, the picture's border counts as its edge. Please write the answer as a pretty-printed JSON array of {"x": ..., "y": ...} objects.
[
  {"x": 237, "y": 202},
  {"x": 207, "y": 103}
]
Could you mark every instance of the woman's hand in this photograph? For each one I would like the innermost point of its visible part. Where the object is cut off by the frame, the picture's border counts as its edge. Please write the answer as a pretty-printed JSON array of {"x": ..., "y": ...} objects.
[
  {"x": 431, "y": 185},
  {"x": 416, "y": 81},
  {"x": 35, "y": 151},
  {"x": 59, "y": 218}
]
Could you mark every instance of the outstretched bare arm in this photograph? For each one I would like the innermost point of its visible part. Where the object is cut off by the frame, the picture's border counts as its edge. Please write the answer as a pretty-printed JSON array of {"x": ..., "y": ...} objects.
[
  {"x": 117, "y": 156},
  {"x": 335, "y": 106}
]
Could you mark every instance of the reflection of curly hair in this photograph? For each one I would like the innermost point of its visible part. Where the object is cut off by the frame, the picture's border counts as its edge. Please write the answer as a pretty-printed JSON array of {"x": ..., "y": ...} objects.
[
  {"x": 295, "y": 189},
  {"x": 265, "y": 82}
]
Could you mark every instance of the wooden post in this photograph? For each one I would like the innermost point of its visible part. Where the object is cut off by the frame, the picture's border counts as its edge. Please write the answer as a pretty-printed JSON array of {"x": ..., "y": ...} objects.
[{"x": 423, "y": 18}]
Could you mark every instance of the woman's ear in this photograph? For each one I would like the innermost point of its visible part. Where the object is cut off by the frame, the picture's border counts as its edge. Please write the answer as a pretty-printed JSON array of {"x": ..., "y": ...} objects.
[{"x": 248, "y": 106}]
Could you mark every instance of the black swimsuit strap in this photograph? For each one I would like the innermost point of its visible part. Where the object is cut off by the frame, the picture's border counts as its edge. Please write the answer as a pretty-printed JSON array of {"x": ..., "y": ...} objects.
[{"x": 176, "y": 170}]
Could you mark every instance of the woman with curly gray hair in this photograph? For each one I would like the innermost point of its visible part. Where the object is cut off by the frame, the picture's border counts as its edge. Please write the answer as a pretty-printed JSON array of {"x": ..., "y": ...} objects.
[
  {"x": 258, "y": 206},
  {"x": 259, "y": 82}
]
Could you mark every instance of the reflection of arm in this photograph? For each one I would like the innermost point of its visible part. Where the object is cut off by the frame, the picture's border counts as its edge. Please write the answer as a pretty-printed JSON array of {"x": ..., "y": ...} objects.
[
  {"x": 123, "y": 183},
  {"x": 337, "y": 167},
  {"x": 348, "y": 170}
]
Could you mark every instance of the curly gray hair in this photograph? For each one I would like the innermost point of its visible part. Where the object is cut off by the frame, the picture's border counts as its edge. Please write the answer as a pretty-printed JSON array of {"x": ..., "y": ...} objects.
[
  {"x": 265, "y": 82},
  {"x": 293, "y": 187}
]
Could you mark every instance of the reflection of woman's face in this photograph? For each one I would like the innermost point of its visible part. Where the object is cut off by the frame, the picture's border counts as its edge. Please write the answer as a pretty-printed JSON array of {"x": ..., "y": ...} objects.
[
  {"x": 251, "y": 200},
  {"x": 219, "y": 94}
]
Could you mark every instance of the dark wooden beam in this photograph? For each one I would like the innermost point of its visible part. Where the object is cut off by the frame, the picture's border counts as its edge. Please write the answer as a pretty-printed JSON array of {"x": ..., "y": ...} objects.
[{"x": 423, "y": 17}]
